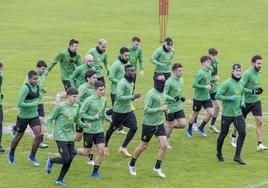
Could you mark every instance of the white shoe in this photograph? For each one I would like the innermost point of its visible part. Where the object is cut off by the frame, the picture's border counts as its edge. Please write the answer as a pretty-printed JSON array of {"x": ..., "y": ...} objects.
[
  {"x": 214, "y": 128},
  {"x": 122, "y": 132},
  {"x": 233, "y": 141},
  {"x": 159, "y": 172},
  {"x": 132, "y": 170},
  {"x": 261, "y": 147},
  {"x": 169, "y": 146},
  {"x": 91, "y": 162}
]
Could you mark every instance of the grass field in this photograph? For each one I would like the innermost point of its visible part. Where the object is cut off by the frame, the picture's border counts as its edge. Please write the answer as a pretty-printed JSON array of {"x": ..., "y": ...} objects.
[{"x": 32, "y": 30}]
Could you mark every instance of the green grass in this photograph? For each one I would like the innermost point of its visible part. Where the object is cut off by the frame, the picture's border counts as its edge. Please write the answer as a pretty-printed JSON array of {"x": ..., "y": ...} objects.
[{"x": 33, "y": 30}]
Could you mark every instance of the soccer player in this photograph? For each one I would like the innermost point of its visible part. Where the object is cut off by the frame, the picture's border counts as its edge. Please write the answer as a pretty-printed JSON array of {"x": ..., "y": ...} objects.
[
  {"x": 174, "y": 100},
  {"x": 2, "y": 150},
  {"x": 65, "y": 116},
  {"x": 78, "y": 76},
  {"x": 93, "y": 112},
  {"x": 162, "y": 58},
  {"x": 201, "y": 98},
  {"x": 153, "y": 124},
  {"x": 100, "y": 56},
  {"x": 69, "y": 59},
  {"x": 231, "y": 94},
  {"x": 122, "y": 110},
  {"x": 252, "y": 90},
  {"x": 29, "y": 99}
]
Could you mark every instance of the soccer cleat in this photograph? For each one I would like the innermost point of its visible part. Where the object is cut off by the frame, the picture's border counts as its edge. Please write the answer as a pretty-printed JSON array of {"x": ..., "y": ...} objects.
[
  {"x": 159, "y": 172},
  {"x": 91, "y": 162},
  {"x": 34, "y": 161},
  {"x": 48, "y": 166},
  {"x": 124, "y": 151},
  {"x": 214, "y": 128},
  {"x": 132, "y": 170},
  {"x": 233, "y": 141},
  {"x": 189, "y": 133},
  {"x": 201, "y": 131},
  {"x": 2, "y": 150},
  {"x": 43, "y": 145},
  {"x": 60, "y": 182},
  {"x": 169, "y": 146},
  {"x": 239, "y": 160},
  {"x": 10, "y": 158},
  {"x": 219, "y": 157},
  {"x": 97, "y": 175},
  {"x": 261, "y": 147},
  {"x": 121, "y": 132}
]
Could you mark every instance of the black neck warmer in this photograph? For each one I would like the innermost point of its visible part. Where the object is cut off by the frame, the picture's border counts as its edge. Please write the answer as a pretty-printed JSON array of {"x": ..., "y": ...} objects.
[
  {"x": 72, "y": 54},
  {"x": 159, "y": 85},
  {"x": 99, "y": 50},
  {"x": 122, "y": 60},
  {"x": 235, "y": 78},
  {"x": 129, "y": 78},
  {"x": 165, "y": 49}
]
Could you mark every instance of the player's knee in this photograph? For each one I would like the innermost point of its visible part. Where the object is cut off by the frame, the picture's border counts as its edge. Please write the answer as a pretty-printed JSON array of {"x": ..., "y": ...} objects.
[
  {"x": 259, "y": 122},
  {"x": 102, "y": 151},
  {"x": 134, "y": 129},
  {"x": 66, "y": 159}
]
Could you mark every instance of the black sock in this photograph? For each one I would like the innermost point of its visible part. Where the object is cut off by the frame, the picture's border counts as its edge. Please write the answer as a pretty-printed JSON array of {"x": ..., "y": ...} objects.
[
  {"x": 158, "y": 164},
  {"x": 213, "y": 120},
  {"x": 234, "y": 136},
  {"x": 190, "y": 126},
  {"x": 203, "y": 124},
  {"x": 195, "y": 120},
  {"x": 132, "y": 162},
  {"x": 42, "y": 138},
  {"x": 32, "y": 154},
  {"x": 96, "y": 168},
  {"x": 90, "y": 157},
  {"x": 259, "y": 142},
  {"x": 12, "y": 151}
]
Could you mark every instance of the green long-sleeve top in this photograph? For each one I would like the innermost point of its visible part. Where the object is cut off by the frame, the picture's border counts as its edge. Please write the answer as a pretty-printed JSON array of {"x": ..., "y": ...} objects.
[
  {"x": 135, "y": 57},
  {"x": 65, "y": 116},
  {"x": 27, "y": 108},
  {"x": 124, "y": 97},
  {"x": 154, "y": 100},
  {"x": 67, "y": 64},
  {"x": 85, "y": 91},
  {"x": 1, "y": 95},
  {"x": 231, "y": 88},
  {"x": 201, "y": 79},
  {"x": 173, "y": 88},
  {"x": 93, "y": 111},
  {"x": 214, "y": 71},
  {"x": 252, "y": 80},
  {"x": 117, "y": 71},
  {"x": 162, "y": 60},
  {"x": 98, "y": 59},
  {"x": 78, "y": 76}
]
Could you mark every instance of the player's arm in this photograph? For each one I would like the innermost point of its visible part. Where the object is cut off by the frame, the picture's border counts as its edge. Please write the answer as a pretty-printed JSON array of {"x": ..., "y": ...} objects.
[
  {"x": 78, "y": 60},
  {"x": 149, "y": 99},
  {"x": 196, "y": 82},
  {"x": 51, "y": 117},
  {"x": 155, "y": 56},
  {"x": 74, "y": 76},
  {"x": 57, "y": 59},
  {"x": 245, "y": 79},
  {"x": 166, "y": 91},
  {"x": 120, "y": 92},
  {"x": 105, "y": 62},
  {"x": 112, "y": 73}
]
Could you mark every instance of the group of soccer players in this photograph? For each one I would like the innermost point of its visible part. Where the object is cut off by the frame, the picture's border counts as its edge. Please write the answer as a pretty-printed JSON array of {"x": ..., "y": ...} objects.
[{"x": 85, "y": 110}]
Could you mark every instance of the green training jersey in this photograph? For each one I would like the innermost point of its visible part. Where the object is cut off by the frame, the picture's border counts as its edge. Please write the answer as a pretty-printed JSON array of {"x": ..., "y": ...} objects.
[
  {"x": 93, "y": 111},
  {"x": 67, "y": 64},
  {"x": 28, "y": 101},
  {"x": 85, "y": 91},
  {"x": 98, "y": 59},
  {"x": 65, "y": 116},
  {"x": 162, "y": 60},
  {"x": 231, "y": 88},
  {"x": 124, "y": 96},
  {"x": 214, "y": 71},
  {"x": 252, "y": 80},
  {"x": 78, "y": 76},
  {"x": 201, "y": 80},
  {"x": 154, "y": 100},
  {"x": 135, "y": 57},
  {"x": 173, "y": 88}
]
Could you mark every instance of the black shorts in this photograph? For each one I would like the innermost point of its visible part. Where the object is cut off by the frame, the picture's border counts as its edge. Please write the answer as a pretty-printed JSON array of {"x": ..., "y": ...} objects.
[
  {"x": 255, "y": 108},
  {"x": 125, "y": 119},
  {"x": 66, "y": 84},
  {"x": 213, "y": 96},
  {"x": 175, "y": 115},
  {"x": 41, "y": 110},
  {"x": 78, "y": 129},
  {"x": 101, "y": 79},
  {"x": 148, "y": 131},
  {"x": 22, "y": 123},
  {"x": 197, "y": 105},
  {"x": 90, "y": 139}
]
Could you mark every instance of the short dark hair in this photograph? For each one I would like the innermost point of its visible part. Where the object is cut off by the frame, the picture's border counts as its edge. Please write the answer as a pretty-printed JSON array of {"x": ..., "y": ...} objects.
[
  {"x": 41, "y": 63},
  {"x": 176, "y": 65},
  {"x": 255, "y": 58},
  {"x": 71, "y": 91},
  {"x": 204, "y": 58},
  {"x": 128, "y": 66},
  {"x": 98, "y": 84},
  {"x": 89, "y": 73},
  {"x": 123, "y": 50},
  {"x": 73, "y": 41},
  {"x": 1, "y": 65},
  {"x": 212, "y": 51},
  {"x": 31, "y": 73},
  {"x": 136, "y": 39}
]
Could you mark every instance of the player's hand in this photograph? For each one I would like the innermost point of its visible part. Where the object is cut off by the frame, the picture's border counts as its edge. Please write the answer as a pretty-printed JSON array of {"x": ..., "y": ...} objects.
[
  {"x": 50, "y": 137},
  {"x": 164, "y": 108},
  {"x": 97, "y": 116},
  {"x": 142, "y": 74},
  {"x": 233, "y": 98},
  {"x": 257, "y": 91},
  {"x": 217, "y": 78},
  {"x": 242, "y": 105},
  {"x": 88, "y": 125},
  {"x": 208, "y": 87},
  {"x": 137, "y": 96}
]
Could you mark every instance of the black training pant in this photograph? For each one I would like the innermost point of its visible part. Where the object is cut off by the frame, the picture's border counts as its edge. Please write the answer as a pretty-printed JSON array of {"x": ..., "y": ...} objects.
[{"x": 1, "y": 123}]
